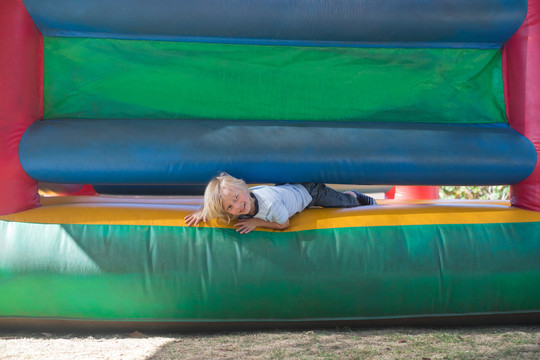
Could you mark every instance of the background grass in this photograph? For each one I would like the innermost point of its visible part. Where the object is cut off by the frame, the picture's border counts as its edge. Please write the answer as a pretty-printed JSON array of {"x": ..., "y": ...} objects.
[{"x": 504, "y": 342}]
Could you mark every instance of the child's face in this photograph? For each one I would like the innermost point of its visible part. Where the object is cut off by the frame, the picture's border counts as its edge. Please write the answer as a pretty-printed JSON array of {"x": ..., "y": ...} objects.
[{"x": 236, "y": 201}]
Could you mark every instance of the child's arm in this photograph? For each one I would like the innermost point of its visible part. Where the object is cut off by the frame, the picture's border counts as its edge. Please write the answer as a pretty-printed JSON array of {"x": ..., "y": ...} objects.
[
  {"x": 195, "y": 218},
  {"x": 246, "y": 225}
]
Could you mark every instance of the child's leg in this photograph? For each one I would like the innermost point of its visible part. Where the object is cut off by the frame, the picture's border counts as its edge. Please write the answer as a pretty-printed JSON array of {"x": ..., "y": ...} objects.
[
  {"x": 362, "y": 198},
  {"x": 327, "y": 197}
]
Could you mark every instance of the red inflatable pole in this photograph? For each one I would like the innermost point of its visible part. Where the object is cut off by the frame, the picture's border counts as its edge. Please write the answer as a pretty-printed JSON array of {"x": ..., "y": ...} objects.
[
  {"x": 21, "y": 101},
  {"x": 413, "y": 193},
  {"x": 521, "y": 66}
]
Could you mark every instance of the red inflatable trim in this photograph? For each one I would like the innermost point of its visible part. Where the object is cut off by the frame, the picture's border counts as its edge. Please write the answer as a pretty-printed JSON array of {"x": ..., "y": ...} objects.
[
  {"x": 414, "y": 193},
  {"x": 522, "y": 87},
  {"x": 21, "y": 101}
]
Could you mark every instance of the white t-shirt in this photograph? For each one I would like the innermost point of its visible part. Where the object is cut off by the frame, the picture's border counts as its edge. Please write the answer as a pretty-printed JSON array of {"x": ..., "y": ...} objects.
[{"x": 278, "y": 203}]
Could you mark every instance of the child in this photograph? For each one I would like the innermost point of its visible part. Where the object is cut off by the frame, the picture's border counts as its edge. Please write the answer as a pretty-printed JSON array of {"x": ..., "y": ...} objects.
[{"x": 228, "y": 198}]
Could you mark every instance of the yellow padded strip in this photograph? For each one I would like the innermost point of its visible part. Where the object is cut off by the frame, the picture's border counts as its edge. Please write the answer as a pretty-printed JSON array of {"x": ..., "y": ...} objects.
[{"x": 171, "y": 212}]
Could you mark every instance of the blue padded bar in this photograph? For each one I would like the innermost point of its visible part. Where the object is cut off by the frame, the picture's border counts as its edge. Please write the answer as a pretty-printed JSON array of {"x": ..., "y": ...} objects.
[
  {"x": 420, "y": 23},
  {"x": 191, "y": 152}
]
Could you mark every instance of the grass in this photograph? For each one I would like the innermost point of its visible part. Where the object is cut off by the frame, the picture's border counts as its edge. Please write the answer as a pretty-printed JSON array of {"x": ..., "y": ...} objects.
[
  {"x": 408, "y": 343},
  {"x": 493, "y": 343}
]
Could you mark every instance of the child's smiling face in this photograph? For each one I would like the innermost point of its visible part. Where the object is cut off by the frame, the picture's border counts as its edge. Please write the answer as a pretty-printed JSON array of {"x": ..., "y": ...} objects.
[{"x": 236, "y": 201}]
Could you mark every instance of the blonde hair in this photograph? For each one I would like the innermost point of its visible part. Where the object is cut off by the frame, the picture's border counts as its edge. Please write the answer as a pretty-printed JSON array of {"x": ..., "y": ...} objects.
[{"x": 213, "y": 196}]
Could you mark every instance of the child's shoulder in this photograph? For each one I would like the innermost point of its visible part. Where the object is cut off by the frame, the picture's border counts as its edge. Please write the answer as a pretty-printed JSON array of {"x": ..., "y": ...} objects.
[
  {"x": 276, "y": 190},
  {"x": 264, "y": 189}
]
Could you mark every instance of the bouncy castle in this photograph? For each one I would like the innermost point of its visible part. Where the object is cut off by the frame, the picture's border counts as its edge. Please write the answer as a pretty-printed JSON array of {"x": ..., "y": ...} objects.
[{"x": 145, "y": 101}]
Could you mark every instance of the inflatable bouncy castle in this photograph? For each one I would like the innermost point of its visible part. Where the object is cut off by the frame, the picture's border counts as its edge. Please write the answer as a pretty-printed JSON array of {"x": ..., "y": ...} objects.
[{"x": 146, "y": 101}]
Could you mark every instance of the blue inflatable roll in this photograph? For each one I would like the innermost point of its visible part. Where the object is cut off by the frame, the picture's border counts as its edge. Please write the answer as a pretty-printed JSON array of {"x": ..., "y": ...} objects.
[
  {"x": 191, "y": 152},
  {"x": 443, "y": 23}
]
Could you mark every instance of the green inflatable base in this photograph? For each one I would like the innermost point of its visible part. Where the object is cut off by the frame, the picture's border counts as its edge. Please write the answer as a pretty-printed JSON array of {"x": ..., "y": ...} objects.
[{"x": 176, "y": 275}]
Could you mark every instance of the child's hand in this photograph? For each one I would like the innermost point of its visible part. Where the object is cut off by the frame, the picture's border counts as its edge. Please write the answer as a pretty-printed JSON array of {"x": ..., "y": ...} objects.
[
  {"x": 195, "y": 218},
  {"x": 246, "y": 225}
]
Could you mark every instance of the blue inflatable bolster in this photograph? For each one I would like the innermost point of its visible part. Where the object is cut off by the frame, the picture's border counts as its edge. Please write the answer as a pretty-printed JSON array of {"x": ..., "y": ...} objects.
[
  {"x": 466, "y": 23},
  {"x": 191, "y": 152}
]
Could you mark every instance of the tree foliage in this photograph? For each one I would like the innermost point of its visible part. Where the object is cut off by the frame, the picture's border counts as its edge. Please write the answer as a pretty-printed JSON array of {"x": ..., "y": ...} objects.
[{"x": 497, "y": 192}]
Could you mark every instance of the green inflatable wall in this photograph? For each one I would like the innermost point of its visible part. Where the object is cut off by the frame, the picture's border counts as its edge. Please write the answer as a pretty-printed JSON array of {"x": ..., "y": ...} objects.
[{"x": 104, "y": 78}]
